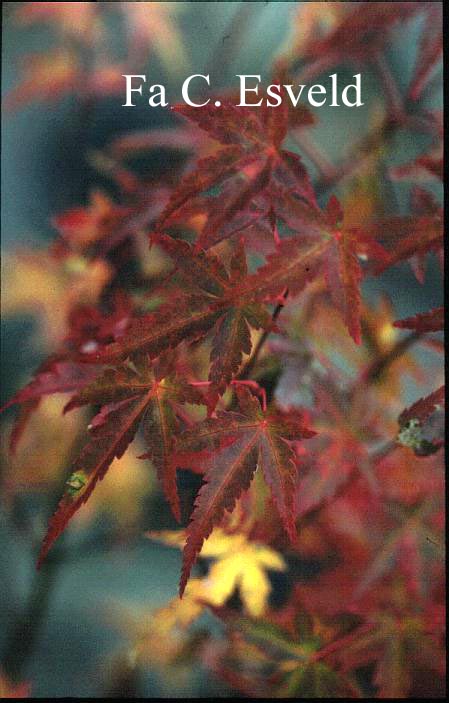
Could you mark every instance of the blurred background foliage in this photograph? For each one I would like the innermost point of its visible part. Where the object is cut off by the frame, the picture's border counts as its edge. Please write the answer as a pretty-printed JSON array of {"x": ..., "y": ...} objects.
[{"x": 106, "y": 576}]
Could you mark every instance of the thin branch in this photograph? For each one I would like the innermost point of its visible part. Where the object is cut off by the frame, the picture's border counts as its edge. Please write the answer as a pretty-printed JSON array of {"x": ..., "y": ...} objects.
[
  {"x": 247, "y": 368},
  {"x": 325, "y": 168},
  {"x": 380, "y": 365},
  {"x": 390, "y": 86},
  {"x": 226, "y": 50},
  {"x": 361, "y": 152},
  {"x": 342, "y": 642},
  {"x": 24, "y": 632},
  {"x": 250, "y": 363}
]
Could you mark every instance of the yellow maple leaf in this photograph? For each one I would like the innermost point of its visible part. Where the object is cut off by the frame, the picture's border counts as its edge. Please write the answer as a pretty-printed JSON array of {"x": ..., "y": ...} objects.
[{"x": 238, "y": 563}]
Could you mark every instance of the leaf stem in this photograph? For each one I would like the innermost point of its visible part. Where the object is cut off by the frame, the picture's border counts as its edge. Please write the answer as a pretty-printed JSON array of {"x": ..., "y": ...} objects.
[{"x": 24, "y": 632}]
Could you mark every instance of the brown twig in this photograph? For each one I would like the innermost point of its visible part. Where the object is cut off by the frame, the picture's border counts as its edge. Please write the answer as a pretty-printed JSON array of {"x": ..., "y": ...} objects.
[
  {"x": 22, "y": 637},
  {"x": 390, "y": 86},
  {"x": 250, "y": 363},
  {"x": 247, "y": 368},
  {"x": 361, "y": 152},
  {"x": 380, "y": 365},
  {"x": 226, "y": 50},
  {"x": 306, "y": 144}
]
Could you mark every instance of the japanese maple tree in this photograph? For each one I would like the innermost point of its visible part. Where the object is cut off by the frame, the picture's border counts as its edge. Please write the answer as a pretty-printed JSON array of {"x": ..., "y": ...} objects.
[{"x": 245, "y": 351}]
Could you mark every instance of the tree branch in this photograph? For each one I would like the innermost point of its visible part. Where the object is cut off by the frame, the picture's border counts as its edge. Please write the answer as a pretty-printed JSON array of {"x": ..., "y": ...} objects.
[
  {"x": 380, "y": 365},
  {"x": 247, "y": 368}
]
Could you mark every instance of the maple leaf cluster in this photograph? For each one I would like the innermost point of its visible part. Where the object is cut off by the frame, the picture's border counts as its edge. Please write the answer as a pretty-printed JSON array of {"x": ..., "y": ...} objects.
[{"x": 242, "y": 350}]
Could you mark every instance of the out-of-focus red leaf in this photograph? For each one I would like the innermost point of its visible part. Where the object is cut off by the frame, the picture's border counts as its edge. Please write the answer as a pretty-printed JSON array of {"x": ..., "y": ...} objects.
[
  {"x": 45, "y": 77},
  {"x": 432, "y": 321}
]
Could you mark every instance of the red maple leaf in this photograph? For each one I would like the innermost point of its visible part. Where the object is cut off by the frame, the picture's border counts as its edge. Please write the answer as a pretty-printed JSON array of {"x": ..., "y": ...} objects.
[
  {"x": 129, "y": 396},
  {"x": 432, "y": 321},
  {"x": 232, "y": 446},
  {"x": 252, "y": 163}
]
